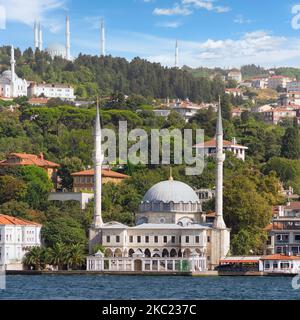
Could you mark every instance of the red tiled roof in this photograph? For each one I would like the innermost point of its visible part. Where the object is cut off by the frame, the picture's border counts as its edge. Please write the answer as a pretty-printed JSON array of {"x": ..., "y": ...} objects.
[
  {"x": 233, "y": 90},
  {"x": 280, "y": 77},
  {"x": 212, "y": 144},
  {"x": 293, "y": 205},
  {"x": 105, "y": 173},
  {"x": 38, "y": 100},
  {"x": 28, "y": 160},
  {"x": 279, "y": 257},
  {"x": 8, "y": 220}
]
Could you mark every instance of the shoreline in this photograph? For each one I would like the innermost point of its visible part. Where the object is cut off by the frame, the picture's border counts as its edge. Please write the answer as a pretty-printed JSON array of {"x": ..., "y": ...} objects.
[{"x": 134, "y": 273}]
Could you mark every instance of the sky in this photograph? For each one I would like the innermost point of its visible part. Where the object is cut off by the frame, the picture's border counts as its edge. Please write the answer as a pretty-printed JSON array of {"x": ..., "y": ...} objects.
[{"x": 211, "y": 33}]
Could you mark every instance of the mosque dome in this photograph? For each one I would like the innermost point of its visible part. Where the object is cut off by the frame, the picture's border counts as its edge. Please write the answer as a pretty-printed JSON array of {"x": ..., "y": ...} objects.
[
  {"x": 56, "y": 50},
  {"x": 6, "y": 74},
  {"x": 171, "y": 191}
]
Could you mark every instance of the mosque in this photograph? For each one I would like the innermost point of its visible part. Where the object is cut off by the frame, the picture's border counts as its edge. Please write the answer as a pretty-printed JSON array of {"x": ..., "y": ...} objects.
[
  {"x": 11, "y": 86},
  {"x": 171, "y": 232},
  {"x": 54, "y": 49}
]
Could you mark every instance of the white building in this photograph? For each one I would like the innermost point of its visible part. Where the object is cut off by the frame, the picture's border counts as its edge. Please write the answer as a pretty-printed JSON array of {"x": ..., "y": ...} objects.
[
  {"x": 209, "y": 148},
  {"x": 279, "y": 81},
  {"x": 186, "y": 109},
  {"x": 62, "y": 91},
  {"x": 171, "y": 232},
  {"x": 284, "y": 232},
  {"x": 17, "y": 236},
  {"x": 281, "y": 264},
  {"x": 260, "y": 83},
  {"x": 293, "y": 86},
  {"x": 11, "y": 86},
  {"x": 236, "y": 75},
  {"x": 236, "y": 92}
]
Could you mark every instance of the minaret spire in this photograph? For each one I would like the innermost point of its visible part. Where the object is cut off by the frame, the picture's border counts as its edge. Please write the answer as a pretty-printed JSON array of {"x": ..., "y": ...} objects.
[
  {"x": 36, "y": 35},
  {"x": 98, "y": 222},
  {"x": 40, "y": 32},
  {"x": 68, "y": 39},
  {"x": 103, "y": 40},
  {"x": 13, "y": 71},
  {"x": 220, "y": 158},
  {"x": 176, "y": 55}
]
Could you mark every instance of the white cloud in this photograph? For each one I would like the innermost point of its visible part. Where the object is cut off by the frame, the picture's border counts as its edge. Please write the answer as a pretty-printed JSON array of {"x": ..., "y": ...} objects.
[
  {"x": 206, "y": 4},
  {"x": 259, "y": 47},
  {"x": 241, "y": 19},
  {"x": 176, "y": 10},
  {"x": 171, "y": 25},
  {"x": 26, "y": 11}
]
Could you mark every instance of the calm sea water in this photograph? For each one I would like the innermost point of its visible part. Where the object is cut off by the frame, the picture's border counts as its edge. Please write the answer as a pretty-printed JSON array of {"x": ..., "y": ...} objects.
[{"x": 148, "y": 287}]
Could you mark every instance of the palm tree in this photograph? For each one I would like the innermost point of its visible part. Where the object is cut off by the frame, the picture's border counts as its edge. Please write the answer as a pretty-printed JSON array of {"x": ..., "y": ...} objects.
[
  {"x": 35, "y": 257},
  {"x": 75, "y": 255},
  {"x": 57, "y": 255}
]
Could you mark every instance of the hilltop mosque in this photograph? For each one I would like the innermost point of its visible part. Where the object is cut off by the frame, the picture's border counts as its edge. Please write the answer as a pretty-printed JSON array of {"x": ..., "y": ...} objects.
[
  {"x": 171, "y": 232},
  {"x": 54, "y": 49}
]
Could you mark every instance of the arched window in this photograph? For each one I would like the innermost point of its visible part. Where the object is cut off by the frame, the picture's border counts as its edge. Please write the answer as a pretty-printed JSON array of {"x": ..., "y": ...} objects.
[
  {"x": 173, "y": 253},
  {"x": 147, "y": 253},
  {"x": 130, "y": 252},
  {"x": 165, "y": 253}
]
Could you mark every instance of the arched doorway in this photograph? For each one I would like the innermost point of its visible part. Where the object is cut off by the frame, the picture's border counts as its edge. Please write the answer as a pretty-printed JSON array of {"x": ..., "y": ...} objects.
[{"x": 137, "y": 265}]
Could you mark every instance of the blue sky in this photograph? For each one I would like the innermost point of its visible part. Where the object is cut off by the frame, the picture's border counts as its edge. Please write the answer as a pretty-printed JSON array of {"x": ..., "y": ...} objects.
[{"x": 222, "y": 33}]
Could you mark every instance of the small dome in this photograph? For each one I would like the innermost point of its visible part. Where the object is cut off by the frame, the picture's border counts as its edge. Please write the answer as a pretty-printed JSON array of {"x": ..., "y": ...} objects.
[
  {"x": 171, "y": 191},
  {"x": 6, "y": 74}
]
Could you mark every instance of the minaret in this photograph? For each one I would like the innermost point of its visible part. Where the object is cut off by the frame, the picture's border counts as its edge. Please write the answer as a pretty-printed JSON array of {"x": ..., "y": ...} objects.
[
  {"x": 220, "y": 158},
  {"x": 102, "y": 29},
  {"x": 98, "y": 222},
  {"x": 13, "y": 71},
  {"x": 40, "y": 37},
  {"x": 36, "y": 35},
  {"x": 68, "y": 39},
  {"x": 176, "y": 55}
]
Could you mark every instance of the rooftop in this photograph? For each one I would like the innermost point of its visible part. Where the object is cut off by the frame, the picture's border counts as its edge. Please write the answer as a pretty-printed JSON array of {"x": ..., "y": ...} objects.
[
  {"x": 105, "y": 173},
  {"x": 279, "y": 257},
  {"x": 8, "y": 220},
  {"x": 28, "y": 160},
  {"x": 213, "y": 144}
]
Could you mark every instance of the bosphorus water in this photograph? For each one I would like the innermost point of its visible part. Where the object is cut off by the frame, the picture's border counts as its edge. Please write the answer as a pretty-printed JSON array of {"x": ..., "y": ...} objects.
[{"x": 102, "y": 287}]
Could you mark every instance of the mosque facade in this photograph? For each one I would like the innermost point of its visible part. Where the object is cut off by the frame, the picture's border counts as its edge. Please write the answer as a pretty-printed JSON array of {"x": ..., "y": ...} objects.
[
  {"x": 171, "y": 233},
  {"x": 11, "y": 86}
]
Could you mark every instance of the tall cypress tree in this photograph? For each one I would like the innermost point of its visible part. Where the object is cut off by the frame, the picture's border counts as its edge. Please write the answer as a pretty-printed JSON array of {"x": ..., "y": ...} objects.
[{"x": 291, "y": 143}]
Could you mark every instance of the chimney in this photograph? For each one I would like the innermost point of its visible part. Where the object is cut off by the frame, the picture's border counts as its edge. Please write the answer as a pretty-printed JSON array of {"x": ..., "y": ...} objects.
[
  {"x": 234, "y": 141},
  {"x": 41, "y": 156}
]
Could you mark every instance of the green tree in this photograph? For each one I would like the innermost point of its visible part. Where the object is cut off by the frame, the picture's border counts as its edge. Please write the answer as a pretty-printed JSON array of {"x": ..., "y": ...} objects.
[
  {"x": 11, "y": 188},
  {"x": 63, "y": 230},
  {"x": 38, "y": 186},
  {"x": 75, "y": 255},
  {"x": 291, "y": 144},
  {"x": 35, "y": 257}
]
